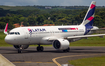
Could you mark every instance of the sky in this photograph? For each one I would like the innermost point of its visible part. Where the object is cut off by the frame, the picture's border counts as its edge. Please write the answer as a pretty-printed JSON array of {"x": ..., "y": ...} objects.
[{"x": 51, "y": 2}]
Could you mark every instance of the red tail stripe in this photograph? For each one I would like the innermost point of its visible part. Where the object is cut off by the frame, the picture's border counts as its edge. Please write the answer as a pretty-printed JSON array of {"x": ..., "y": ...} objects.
[
  {"x": 6, "y": 27},
  {"x": 91, "y": 18},
  {"x": 92, "y": 6}
]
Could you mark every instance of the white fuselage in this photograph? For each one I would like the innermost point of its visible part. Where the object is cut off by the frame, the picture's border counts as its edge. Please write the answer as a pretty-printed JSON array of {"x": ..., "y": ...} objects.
[{"x": 40, "y": 34}]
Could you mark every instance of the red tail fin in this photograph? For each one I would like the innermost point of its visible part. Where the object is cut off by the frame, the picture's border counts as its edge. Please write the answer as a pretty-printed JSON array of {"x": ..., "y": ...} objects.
[{"x": 6, "y": 27}]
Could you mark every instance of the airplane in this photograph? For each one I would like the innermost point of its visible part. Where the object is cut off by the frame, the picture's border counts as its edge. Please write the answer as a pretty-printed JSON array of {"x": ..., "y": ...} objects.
[{"x": 59, "y": 36}]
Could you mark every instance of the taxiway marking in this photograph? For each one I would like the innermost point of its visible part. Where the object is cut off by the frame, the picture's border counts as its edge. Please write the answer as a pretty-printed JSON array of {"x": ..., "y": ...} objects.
[
  {"x": 54, "y": 59},
  {"x": 31, "y": 62}
]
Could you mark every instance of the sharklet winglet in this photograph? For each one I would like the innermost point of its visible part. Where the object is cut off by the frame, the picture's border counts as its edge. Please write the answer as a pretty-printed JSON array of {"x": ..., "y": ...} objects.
[{"x": 5, "y": 30}]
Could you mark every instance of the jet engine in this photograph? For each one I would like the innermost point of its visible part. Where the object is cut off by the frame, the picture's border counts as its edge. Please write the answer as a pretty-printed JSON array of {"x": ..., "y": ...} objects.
[
  {"x": 21, "y": 46},
  {"x": 61, "y": 44}
]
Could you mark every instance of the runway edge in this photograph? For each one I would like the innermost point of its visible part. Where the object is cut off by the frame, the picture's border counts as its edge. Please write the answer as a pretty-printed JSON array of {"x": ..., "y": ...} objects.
[{"x": 5, "y": 62}]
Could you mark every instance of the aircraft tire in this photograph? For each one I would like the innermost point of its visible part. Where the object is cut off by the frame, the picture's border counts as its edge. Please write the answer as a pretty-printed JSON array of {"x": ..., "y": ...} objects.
[
  {"x": 40, "y": 48},
  {"x": 66, "y": 50},
  {"x": 19, "y": 51}
]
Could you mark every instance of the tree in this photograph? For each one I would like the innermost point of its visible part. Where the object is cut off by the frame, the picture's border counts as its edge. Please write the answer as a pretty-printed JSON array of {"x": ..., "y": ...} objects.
[
  {"x": 40, "y": 19},
  {"x": 54, "y": 17},
  {"x": 98, "y": 21},
  {"x": 63, "y": 21},
  {"x": 2, "y": 25},
  {"x": 32, "y": 21},
  {"x": 48, "y": 22}
]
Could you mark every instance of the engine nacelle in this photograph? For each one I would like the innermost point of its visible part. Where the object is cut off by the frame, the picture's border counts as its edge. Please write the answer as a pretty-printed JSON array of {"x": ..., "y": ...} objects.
[
  {"x": 61, "y": 44},
  {"x": 21, "y": 46}
]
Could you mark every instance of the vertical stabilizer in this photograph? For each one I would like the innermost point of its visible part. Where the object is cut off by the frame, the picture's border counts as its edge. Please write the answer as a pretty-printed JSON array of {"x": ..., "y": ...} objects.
[{"x": 89, "y": 17}]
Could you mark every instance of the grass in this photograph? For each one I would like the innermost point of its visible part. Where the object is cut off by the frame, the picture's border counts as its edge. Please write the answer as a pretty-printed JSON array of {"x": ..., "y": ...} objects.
[
  {"x": 92, "y": 41},
  {"x": 2, "y": 41},
  {"x": 95, "y": 61}
]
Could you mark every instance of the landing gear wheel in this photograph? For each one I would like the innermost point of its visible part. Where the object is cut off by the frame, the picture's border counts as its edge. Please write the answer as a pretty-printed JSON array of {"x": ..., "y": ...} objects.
[
  {"x": 66, "y": 50},
  {"x": 40, "y": 48},
  {"x": 19, "y": 51}
]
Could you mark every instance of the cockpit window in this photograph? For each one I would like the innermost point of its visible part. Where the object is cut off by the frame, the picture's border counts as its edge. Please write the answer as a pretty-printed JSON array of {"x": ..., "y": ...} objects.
[
  {"x": 11, "y": 33},
  {"x": 18, "y": 33},
  {"x": 14, "y": 33}
]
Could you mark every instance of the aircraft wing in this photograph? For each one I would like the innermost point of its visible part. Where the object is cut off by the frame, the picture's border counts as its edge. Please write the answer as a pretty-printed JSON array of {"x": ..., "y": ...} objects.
[
  {"x": 85, "y": 36},
  {"x": 73, "y": 37},
  {"x": 50, "y": 38}
]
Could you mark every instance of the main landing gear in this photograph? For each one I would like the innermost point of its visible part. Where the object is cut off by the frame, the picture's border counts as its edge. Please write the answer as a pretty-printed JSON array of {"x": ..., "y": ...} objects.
[
  {"x": 40, "y": 48},
  {"x": 66, "y": 50}
]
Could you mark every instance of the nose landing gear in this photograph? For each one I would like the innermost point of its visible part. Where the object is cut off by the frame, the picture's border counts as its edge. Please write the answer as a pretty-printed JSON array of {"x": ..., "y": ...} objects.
[
  {"x": 19, "y": 50},
  {"x": 40, "y": 48},
  {"x": 20, "y": 47}
]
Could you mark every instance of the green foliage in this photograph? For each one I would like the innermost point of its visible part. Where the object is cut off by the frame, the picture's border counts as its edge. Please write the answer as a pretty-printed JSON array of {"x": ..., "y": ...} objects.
[
  {"x": 99, "y": 21},
  {"x": 32, "y": 20},
  {"x": 2, "y": 24},
  {"x": 48, "y": 22},
  {"x": 38, "y": 15},
  {"x": 40, "y": 19},
  {"x": 2, "y": 41},
  {"x": 95, "y": 61}
]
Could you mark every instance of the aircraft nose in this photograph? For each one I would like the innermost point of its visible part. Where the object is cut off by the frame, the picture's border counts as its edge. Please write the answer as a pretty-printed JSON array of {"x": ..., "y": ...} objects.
[{"x": 9, "y": 40}]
